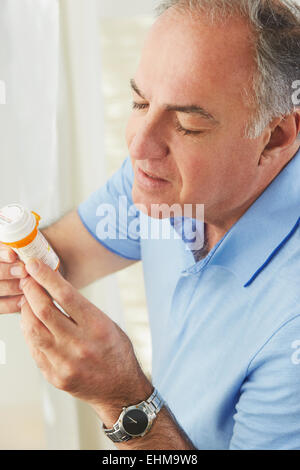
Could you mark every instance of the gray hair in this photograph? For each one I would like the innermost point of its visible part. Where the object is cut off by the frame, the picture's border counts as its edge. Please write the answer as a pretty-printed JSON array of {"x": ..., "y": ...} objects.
[{"x": 276, "y": 27}]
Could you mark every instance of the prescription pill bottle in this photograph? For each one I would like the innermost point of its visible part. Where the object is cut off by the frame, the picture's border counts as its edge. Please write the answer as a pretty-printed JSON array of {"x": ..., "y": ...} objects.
[{"x": 19, "y": 230}]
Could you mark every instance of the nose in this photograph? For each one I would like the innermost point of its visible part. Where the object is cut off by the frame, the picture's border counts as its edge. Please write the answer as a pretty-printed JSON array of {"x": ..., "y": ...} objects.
[{"x": 148, "y": 141}]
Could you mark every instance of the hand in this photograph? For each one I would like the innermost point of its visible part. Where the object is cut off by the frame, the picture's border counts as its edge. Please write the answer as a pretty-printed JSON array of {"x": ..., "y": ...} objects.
[
  {"x": 11, "y": 270},
  {"x": 84, "y": 353}
]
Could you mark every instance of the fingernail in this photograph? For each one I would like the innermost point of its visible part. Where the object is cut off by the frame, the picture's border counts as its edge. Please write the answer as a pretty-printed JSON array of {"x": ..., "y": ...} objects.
[
  {"x": 4, "y": 255},
  {"x": 32, "y": 266},
  {"x": 16, "y": 271}
]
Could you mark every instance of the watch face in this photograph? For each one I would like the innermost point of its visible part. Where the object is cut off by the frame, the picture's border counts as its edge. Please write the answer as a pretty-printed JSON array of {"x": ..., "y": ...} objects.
[{"x": 135, "y": 422}]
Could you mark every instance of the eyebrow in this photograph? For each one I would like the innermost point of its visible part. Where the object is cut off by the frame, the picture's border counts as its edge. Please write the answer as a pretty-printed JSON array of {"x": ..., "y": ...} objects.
[{"x": 191, "y": 109}]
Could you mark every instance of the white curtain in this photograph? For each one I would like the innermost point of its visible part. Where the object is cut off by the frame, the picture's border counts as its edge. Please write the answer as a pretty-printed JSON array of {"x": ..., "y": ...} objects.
[
  {"x": 28, "y": 66},
  {"x": 28, "y": 174},
  {"x": 52, "y": 157},
  {"x": 123, "y": 8}
]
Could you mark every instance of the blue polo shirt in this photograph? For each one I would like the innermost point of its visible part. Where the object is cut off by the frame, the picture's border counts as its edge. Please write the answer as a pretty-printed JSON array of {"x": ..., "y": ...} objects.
[{"x": 226, "y": 329}]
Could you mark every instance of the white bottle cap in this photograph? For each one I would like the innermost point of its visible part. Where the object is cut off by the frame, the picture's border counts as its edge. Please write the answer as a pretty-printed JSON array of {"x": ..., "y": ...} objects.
[{"x": 16, "y": 223}]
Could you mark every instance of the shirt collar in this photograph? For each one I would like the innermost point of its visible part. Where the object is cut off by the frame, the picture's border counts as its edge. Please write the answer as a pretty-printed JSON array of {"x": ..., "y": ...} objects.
[{"x": 266, "y": 226}]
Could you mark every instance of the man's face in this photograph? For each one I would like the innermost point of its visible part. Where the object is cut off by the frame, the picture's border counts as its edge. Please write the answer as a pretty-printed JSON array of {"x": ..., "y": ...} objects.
[{"x": 190, "y": 116}]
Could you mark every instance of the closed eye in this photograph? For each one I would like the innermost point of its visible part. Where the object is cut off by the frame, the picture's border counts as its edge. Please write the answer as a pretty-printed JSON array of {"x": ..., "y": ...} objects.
[
  {"x": 139, "y": 105},
  {"x": 184, "y": 131},
  {"x": 179, "y": 128}
]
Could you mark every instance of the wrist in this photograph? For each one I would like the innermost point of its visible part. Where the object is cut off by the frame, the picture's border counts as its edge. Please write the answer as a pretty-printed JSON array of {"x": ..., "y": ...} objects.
[{"x": 110, "y": 411}]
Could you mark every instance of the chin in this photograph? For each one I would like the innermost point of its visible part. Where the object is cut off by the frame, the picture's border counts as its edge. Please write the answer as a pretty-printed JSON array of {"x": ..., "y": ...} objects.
[{"x": 156, "y": 206}]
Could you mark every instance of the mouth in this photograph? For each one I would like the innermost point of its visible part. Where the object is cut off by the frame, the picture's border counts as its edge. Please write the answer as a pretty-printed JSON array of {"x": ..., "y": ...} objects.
[
  {"x": 152, "y": 176},
  {"x": 149, "y": 180}
]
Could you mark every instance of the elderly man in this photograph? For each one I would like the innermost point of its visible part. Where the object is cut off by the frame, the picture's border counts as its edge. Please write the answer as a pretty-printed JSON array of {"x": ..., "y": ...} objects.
[{"x": 215, "y": 123}]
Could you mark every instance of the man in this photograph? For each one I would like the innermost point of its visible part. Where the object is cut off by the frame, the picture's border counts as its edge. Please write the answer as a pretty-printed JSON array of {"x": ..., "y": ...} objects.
[{"x": 215, "y": 122}]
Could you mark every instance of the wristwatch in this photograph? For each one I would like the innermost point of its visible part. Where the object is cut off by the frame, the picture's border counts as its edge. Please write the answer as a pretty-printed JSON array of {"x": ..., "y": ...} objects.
[{"x": 135, "y": 420}]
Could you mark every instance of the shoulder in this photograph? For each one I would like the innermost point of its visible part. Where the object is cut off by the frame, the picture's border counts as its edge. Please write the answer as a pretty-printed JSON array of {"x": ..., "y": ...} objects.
[{"x": 281, "y": 348}]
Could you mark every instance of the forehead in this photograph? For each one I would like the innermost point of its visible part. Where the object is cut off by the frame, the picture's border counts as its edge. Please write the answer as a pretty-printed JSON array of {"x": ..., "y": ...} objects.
[{"x": 186, "y": 58}]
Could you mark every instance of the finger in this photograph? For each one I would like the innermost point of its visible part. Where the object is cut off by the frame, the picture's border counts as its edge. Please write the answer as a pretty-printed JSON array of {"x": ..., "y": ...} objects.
[
  {"x": 7, "y": 254},
  {"x": 59, "y": 289},
  {"x": 10, "y": 304},
  {"x": 44, "y": 309},
  {"x": 36, "y": 333},
  {"x": 12, "y": 271},
  {"x": 11, "y": 287}
]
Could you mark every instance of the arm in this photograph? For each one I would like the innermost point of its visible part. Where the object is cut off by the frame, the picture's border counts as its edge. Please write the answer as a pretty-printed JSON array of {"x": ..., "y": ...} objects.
[
  {"x": 83, "y": 258},
  {"x": 76, "y": 240}
]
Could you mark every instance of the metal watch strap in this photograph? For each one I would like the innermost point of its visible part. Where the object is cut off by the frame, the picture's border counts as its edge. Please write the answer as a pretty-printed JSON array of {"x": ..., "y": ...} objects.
[
  {"x": 115, "y": 434},
  {"x": 154, "y": 403}
]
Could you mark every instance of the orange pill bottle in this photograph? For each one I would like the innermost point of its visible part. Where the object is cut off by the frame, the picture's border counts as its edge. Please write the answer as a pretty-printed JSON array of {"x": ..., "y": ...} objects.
[{"x": 19, "y": 230}]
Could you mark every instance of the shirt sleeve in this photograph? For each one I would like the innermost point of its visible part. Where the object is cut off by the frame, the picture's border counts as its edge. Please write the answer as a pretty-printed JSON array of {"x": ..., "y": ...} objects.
[
  {"x": 111, "y": 217},
  {"x": 268, "y": 411}
]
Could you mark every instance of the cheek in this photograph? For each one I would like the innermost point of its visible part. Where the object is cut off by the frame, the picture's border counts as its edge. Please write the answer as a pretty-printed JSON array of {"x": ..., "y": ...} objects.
[
  {"x": 216, "y": 177},
  {"x": 196, "y": 172},
  {"x": 205, "y": 177}
]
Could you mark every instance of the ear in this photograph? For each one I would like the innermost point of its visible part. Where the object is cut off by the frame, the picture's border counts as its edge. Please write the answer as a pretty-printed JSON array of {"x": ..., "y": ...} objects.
[{"x": 282, "y": 134}]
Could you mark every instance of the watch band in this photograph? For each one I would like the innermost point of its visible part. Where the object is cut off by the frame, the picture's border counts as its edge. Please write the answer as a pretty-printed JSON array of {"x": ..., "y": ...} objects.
[
  {"x": 116, "y": 434},
  {"x": 151, "y": 407}
]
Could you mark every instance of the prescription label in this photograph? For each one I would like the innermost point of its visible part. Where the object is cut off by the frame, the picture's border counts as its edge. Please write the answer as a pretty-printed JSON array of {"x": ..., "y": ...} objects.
[{"x": 39, "y": 248}]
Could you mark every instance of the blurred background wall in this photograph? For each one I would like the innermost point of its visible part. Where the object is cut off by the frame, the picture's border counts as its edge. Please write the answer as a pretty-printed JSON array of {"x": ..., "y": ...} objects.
[{"x": 66, "y": 65}]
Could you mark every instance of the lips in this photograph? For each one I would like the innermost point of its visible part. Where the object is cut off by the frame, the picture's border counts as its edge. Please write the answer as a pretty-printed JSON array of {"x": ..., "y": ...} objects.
[{"x": 150, "y": 182}]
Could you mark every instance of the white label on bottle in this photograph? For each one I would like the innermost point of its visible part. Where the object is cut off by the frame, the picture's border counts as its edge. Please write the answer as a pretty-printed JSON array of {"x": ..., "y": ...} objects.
[{"x": 39, "y": 248}]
